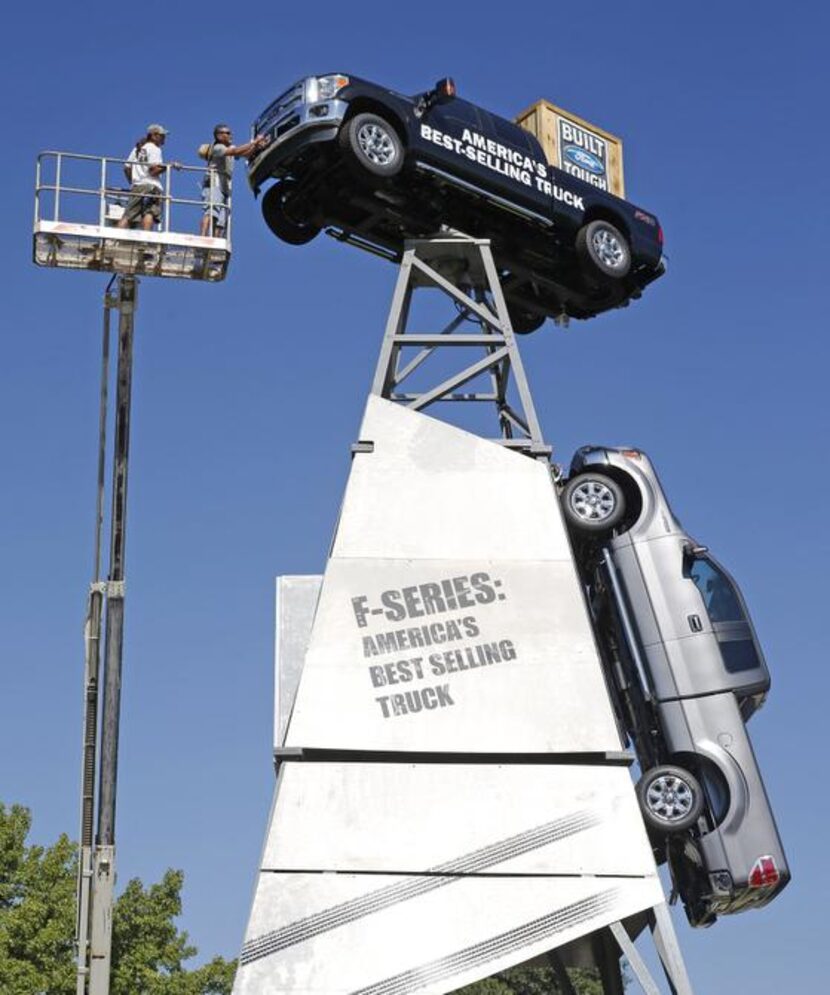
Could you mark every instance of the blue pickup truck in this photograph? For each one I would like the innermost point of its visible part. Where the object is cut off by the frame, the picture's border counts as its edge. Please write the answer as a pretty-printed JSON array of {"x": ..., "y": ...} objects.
[{"x": 374, "y": 167}]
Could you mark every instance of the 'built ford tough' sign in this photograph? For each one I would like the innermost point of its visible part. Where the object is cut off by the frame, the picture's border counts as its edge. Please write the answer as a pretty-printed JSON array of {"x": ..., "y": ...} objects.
[
  {"x": 583, "y": 153},
  {"x": 576, "y": 146}
]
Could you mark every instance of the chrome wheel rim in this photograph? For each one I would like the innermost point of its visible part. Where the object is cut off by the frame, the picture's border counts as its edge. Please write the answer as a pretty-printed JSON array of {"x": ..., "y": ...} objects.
[
  {"x": 669, "y": 798},
  {"x": 608, "y": 248},
  {"x": 376, "y": 144},
  {"x": 593, "y": 501}
]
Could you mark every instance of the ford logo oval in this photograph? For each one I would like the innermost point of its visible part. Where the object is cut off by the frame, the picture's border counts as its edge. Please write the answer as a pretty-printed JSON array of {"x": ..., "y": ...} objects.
[{"x": 579, "y": 157}]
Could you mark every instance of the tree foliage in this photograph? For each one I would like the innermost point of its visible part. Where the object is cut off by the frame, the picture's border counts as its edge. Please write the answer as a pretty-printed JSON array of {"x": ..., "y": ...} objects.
[
  {"x": 534, "y": 979},
  {"x": 37, "y": 928},
  {"x": 37, "y": 925}
]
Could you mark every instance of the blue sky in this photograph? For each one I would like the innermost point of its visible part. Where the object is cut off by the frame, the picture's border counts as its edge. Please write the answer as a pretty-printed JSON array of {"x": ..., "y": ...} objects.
[{"x": 248, "y": 394}]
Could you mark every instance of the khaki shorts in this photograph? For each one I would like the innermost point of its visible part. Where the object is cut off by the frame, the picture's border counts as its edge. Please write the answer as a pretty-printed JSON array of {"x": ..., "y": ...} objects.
[{"x": 145, "y": 198}]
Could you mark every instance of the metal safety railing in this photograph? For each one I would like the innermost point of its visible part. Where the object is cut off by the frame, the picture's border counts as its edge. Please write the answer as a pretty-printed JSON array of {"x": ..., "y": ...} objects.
[{"x": 86, "y": 189}]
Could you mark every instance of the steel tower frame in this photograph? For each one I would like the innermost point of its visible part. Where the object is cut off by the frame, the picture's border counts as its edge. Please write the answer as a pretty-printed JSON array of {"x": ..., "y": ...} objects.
[{"x": 463, "y": 268}]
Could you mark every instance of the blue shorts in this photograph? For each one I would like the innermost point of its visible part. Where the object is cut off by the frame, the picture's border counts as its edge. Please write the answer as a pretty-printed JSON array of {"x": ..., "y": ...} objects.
[{"x": 216, "y": 203}]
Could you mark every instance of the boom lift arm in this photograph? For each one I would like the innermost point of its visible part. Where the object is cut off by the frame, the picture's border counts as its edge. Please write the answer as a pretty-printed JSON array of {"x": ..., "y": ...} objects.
[{"x": 105, "y": 613}]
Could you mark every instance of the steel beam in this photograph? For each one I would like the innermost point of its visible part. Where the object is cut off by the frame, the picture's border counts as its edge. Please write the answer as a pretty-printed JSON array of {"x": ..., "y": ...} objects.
[
  {"x": 462, "y": 268},
  {"x": 665, "y": 940}
]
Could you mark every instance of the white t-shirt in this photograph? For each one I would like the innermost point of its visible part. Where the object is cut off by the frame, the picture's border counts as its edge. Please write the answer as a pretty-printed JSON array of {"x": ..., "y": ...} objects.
[{"x": 148, "y": 155}]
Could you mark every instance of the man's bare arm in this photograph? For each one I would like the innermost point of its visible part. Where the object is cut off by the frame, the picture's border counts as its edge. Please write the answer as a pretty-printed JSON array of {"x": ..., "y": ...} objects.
[{"x": 242, "y": 150}]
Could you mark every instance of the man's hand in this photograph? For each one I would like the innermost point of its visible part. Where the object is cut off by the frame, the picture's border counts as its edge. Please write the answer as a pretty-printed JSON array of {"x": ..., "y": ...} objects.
[{"x": 250, "y": 149}]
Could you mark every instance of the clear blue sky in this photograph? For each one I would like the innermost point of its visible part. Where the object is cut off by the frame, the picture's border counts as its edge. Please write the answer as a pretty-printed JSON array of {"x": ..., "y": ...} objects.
[{"x": 248, "y": 394}]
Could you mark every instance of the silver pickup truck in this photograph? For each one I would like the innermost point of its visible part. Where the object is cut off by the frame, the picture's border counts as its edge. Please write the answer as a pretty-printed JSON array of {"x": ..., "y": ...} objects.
[{"x": 686, "y": 672}]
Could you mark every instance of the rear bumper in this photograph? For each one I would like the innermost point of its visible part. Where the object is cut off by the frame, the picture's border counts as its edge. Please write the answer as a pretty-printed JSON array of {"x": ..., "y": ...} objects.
[{"x": 711, "y": 729}]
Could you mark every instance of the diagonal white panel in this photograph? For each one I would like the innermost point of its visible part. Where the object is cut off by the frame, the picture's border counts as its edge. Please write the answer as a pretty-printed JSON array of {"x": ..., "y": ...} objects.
[
  {"x": 296, "y": 601},
  {"x": 515, "y": 671},
  {"x": 450, "y": 617},
  {"x": 458, "y": 818},
  {"x": 499, "y": 862},
  {"x": 310, "y": 933},
  {"x": 432, "y": 491}
]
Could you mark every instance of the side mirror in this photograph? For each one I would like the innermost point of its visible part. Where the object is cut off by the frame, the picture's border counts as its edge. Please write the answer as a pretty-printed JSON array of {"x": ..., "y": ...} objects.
[
  {"x": 692, "y": 552},
  {"x": 443, "y": 91}
]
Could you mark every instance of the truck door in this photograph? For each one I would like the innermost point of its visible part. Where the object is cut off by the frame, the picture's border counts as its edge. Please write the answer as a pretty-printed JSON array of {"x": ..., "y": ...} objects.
[
  {"x": 482, "y": 149},
  {"x": 742, "y": 662},
  {"x": 524, "y": 162}
]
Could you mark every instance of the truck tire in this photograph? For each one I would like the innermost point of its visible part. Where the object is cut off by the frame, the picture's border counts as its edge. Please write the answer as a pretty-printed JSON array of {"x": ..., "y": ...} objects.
[
  {"x": 524, "y": 322},
  {"x": 372, "y": 145},
  {"x": 603, "y": 250},
  {"x": 593, "y": 503},
  {"x": 671, "y": 799},
  {"x": 276, "y": 209}
]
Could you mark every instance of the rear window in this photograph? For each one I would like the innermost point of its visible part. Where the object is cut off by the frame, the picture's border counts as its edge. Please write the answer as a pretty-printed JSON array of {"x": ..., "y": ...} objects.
[
  {"x": 462, "y": 114},
  {"x": 511, "y": 134},
  {"x": 738, "y": 655}
]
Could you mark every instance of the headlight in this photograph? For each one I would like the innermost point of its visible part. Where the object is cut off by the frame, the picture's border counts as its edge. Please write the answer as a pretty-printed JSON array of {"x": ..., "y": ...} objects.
[{"x": 328, "y": 86}]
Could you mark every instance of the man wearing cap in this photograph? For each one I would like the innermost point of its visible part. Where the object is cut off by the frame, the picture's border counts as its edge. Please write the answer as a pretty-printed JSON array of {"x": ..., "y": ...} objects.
[
  {"x": 144, "y": 168},
  {"x": 216, "y": 187}
]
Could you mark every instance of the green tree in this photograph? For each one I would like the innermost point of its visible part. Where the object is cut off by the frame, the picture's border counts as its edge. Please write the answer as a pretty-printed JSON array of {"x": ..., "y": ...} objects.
[
  {"x": 37, "y": 925},
  {"x": 534, "y": 979}
]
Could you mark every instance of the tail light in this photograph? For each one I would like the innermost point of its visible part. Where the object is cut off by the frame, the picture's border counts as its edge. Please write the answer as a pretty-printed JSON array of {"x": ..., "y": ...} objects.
[{"x": 764, "y": 873}]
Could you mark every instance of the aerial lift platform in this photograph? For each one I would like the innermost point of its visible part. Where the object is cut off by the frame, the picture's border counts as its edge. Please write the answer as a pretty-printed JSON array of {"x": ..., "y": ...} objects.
[
  {"x": 79, "y": 200},
  {"x": 78, "y": 204},
  {"x": 452, "y": 796}
]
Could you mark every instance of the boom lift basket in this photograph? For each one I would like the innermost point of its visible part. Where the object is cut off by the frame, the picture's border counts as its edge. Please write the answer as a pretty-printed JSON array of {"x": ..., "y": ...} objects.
[{"x": 79, "y": 200}]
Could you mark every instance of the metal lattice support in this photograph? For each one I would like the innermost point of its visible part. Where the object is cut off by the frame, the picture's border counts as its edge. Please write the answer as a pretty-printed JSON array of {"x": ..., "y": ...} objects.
[{"x": 463, "y": 268}]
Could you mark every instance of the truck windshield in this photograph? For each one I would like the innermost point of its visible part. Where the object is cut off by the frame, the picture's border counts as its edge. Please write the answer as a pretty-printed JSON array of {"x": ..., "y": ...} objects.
[{"x": 719, "y": 595}]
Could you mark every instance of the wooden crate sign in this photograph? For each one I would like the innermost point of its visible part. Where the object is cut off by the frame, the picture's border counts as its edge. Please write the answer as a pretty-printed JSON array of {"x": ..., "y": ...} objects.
[{"x": 576, "y": 146}]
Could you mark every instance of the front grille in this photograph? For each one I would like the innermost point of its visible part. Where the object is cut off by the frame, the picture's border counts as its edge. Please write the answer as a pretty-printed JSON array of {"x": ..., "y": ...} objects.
[
  {"x": 286, "y": 125},
  {"x": 278, "y": 107}
]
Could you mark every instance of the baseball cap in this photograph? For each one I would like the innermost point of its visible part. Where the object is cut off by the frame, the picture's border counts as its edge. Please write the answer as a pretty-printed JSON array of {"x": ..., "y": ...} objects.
[{"x": 157, "y": 129}]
